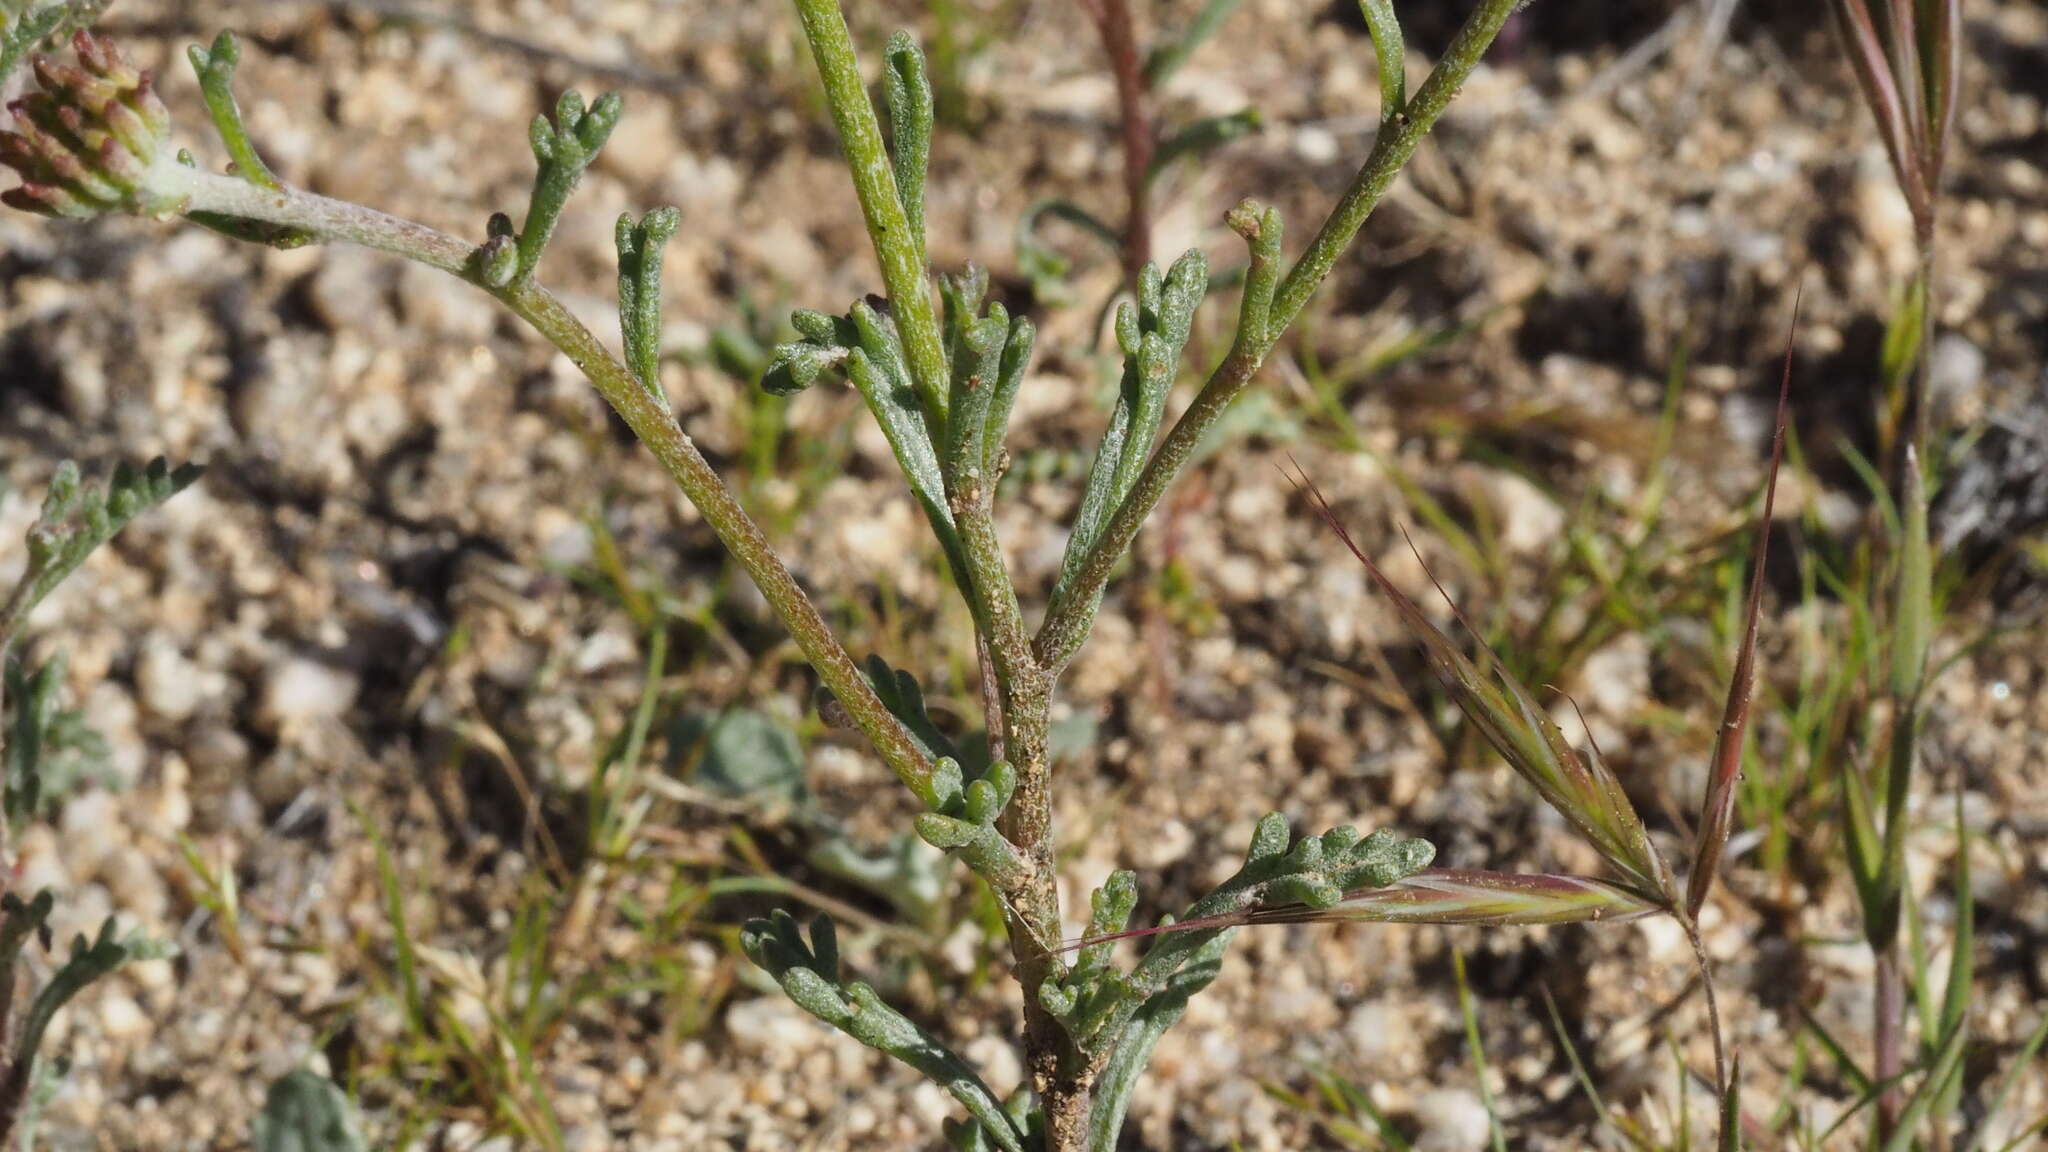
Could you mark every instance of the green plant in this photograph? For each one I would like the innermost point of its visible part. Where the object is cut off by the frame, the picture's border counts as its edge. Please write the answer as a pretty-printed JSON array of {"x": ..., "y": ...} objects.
[
  {"x": 27, "y": 23},
  {"x": 305, "y": 1112},
  {"x": 95, "y": 140},
  {"x": 1907, "y": 58},
  {"x": 88, "y": 962},
  {"x": 1578, "y": 785},
  {"x": 41, "y": 746}
]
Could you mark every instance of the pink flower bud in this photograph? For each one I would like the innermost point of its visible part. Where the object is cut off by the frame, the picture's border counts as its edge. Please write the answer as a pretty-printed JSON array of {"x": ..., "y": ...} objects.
[{"x": 86, "y": 144}]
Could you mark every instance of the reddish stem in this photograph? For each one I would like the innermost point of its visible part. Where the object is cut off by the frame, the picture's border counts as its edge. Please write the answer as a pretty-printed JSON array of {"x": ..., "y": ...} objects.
[
  {"x": 1113, "y": 23},
  {"x": 1890, "y": 1029}
]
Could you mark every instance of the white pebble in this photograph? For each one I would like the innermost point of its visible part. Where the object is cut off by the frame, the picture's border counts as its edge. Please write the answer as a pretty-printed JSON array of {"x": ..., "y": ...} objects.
[
  {"x": 121, "y": 1018},
  {"x": 771, "y": 1026},
  {"x": 1376, "y": 1031},
  {"x": 1315, "y": 145},
  {"x": 170, "y": 687},
  {"x": 299, "y": 690},
  {"x": 1956, "y": 367},
  {"x": 93, "y": 830},
  {"x": 137, "y": 888},
  {"x": 1452, "y": 1120}
]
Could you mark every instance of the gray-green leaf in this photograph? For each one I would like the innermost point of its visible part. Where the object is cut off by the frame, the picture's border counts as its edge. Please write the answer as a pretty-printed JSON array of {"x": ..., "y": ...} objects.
[{"x": 306, "y": 1112}]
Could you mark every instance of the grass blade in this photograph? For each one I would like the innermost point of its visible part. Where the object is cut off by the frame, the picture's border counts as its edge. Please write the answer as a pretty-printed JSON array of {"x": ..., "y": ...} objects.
[
  {"x": 1477, "y": 1050},
  {"x": 1571, "y": 1052},
  {"x": 1731, "y": 1109},
  {"x": 2021, "y": 1061},
  {"x": 1947, "y": 1065}
]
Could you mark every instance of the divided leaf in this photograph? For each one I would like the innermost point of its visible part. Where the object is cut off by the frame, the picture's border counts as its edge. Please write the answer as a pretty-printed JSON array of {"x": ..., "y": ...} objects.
[
  {"x": 1097, "y": 1003},
  {"x": 809, "y": 975},
  {"x": 41, "y": 22},
  {"x": 76, "y": 519},
  {"x": 563, "y": 148},
  {"x": 989, "y": 355},
  {"x": 641, "y": 249},
  {"x": 306, "y": 1112},
  {"x": 21, "y": 921},
  {"x": 89, "y": 962},
  {"x": 965, "y": 822},
  {"x": 1261, "y": 229},
  {"x": 50, "y": 749},
  {"x": 901, "y": 694},
  {"x": 865, "y": 345},
  {"x": 909, "y": 93},
  {"x": 215, "y": 68},
  {"x": 1152, "y": 335},
  {"x": 1387, "y": 45}
]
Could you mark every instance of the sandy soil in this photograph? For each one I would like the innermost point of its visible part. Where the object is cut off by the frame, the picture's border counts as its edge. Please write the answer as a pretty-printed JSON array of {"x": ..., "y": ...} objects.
[{"x": 382, "y": 617}]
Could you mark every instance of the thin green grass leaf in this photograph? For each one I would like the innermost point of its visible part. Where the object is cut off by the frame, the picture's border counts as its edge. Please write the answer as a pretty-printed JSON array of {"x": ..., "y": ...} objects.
[
  {"x": 1571, "y": 1052},
  {"x": 1844, "y": 1063},
  {"x": 1476, "y": 1050},
  {"x": 2008, "y": 1083},
  {"x": 1731, "y": 1109},
  {"x": 1947, "y": 1064},
  {"x": 1168, "y": 57}
]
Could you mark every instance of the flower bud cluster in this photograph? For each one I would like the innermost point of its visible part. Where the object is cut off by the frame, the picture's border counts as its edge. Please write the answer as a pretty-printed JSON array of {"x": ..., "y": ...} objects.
[{"x": 87, "y": 142}]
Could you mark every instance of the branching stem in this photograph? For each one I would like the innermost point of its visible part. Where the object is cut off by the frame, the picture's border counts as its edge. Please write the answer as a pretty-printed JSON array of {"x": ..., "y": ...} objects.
[
  {"x": 1066, "y": 628},
  {"x": 900, "y": 253},
  {"x": 1025, "y": 667},
  {"x": 327, "y": 219}
]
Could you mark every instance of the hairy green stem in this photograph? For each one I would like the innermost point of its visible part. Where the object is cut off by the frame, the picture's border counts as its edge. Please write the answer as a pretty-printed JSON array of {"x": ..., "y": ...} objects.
[
  {"x": 897, "y": 248},
  {"x": 1032, "y": 899},
  {"x": 1024, "y": 692},
  {"x": 651, "y": 421},
  {"x": 1032, "y": 903},
  {"x": 1066, "y": 627},
  {"x": 1390, "y": 153},
  {"x": 11, "y": 614},
  {"x": 1024, "y": 714}
]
